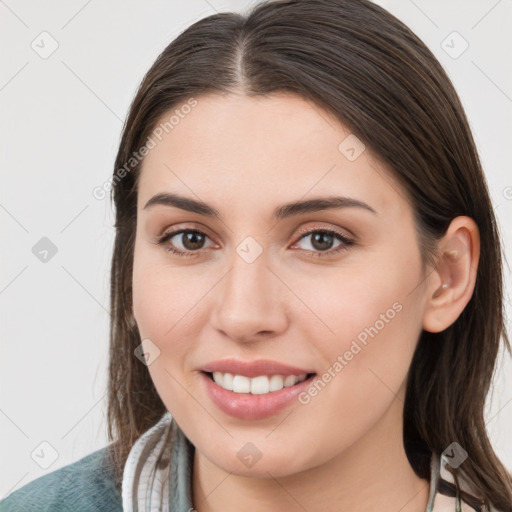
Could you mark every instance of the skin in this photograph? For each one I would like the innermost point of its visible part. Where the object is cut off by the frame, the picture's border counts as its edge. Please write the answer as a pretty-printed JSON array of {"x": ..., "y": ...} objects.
[{"x": 246, "y": 156}]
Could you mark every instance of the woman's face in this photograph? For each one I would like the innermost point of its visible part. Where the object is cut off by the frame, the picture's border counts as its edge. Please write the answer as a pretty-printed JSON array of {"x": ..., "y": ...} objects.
[{"x": 336, "y": 291}]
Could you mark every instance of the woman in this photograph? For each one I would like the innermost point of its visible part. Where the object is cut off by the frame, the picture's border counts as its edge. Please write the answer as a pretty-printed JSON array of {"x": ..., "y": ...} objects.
[{"x": 306, "y": 280}]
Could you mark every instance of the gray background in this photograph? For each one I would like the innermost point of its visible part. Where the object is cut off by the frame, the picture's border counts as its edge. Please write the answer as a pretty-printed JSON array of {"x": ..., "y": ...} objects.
[{"x": 61, "y": 118}]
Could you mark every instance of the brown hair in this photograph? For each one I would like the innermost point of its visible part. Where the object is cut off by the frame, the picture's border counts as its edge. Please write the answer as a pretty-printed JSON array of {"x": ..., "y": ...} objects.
[{"x": 363, "y": 65}]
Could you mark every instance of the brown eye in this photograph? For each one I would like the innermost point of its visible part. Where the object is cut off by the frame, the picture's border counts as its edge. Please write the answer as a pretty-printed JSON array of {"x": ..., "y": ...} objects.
[
  {"x": 192, "y": 240},
  {"x": 187, "y": 241},
  {"x": 323, "y": 240}
]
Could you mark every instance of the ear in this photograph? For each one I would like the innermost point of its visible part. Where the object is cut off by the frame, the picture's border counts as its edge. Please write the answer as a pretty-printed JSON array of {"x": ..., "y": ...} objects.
[{"x": 452, "y": 281}]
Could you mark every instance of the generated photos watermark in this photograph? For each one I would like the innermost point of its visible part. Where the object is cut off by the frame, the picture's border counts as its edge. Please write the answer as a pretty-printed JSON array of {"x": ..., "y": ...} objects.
[
  {"x": 136, "y": 158},
  {"x": 358, "y": 344}
]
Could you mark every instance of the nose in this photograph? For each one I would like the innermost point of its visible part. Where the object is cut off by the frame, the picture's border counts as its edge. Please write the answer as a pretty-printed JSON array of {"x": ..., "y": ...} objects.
[{"x": 250, "y": 304}]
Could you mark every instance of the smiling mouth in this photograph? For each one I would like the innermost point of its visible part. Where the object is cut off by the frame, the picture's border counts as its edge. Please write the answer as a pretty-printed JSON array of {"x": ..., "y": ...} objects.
[{"x": 260, "y": 385}]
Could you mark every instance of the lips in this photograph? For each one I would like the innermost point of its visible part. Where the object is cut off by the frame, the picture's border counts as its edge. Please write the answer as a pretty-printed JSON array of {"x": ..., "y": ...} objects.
[
  {"x": 246, "y": 406},
  {"x": 251, "y": 404},
  {"x": 254, "y": 368}
]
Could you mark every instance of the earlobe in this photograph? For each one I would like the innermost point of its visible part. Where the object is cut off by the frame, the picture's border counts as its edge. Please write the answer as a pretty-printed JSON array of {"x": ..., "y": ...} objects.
[{"x": 452, "y": 281}]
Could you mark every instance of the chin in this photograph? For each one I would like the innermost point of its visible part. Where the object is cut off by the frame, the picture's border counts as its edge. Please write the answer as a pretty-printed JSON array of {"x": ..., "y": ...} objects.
[{"x": 259, "y": 459}]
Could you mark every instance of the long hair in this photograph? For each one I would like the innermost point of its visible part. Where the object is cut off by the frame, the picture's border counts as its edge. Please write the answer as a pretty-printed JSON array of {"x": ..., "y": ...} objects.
[{"x": 360, "y": 63}]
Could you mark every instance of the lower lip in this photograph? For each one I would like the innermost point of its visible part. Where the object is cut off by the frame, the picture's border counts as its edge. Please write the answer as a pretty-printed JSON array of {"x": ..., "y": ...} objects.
[{"x": 246, "y": 406}]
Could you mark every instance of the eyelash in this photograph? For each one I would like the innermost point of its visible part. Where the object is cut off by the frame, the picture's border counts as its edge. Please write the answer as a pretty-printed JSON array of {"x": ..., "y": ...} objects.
[{"x": 346, "y": 242}]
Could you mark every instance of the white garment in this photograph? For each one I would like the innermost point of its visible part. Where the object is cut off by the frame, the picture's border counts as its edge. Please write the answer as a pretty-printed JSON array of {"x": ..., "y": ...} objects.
[{"x": 146, "y": 476}]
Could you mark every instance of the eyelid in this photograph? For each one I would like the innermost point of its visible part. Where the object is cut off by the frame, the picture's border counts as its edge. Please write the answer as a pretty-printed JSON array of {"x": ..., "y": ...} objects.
[
  {"x": 185, "y": 226},
  {"x": 344, "y": 233}
]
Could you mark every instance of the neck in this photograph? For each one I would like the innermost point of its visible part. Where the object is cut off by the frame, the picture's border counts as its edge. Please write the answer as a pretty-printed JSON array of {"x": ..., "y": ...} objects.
[{"x": 373, "y": 474}]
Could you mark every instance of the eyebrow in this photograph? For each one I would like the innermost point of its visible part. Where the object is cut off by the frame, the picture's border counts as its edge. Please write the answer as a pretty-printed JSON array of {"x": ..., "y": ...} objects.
[{"x": 281, "y": 212}]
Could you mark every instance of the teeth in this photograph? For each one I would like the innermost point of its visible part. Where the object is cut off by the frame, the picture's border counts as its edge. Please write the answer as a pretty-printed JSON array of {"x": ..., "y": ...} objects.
[{"x": 258, "y": 385}]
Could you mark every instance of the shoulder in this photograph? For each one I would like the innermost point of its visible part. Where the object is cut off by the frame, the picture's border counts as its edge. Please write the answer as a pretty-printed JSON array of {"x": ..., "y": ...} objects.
[{"x": 86, "y": 484}]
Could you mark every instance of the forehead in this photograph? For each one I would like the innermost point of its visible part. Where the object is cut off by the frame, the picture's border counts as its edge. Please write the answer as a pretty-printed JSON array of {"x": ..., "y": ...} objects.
[{"x": 258, "y": 149}]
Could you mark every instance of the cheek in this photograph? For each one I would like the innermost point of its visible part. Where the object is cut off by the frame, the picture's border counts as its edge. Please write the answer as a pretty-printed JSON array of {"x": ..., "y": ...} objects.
[
  {"x": 366, "y": 327},
  {"x": 169, "y": 307},
  {"x": 164, "y": 298},
  {"x": 154, "y": 303},
  {"x": 163, "y": 305},
  {"x": 370, "y": 301},
  {"x": 366, "y": 361}
]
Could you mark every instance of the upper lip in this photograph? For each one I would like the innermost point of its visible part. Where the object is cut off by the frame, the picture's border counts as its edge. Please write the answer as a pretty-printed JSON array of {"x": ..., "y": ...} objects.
[{"x": 253, "y": 368}]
